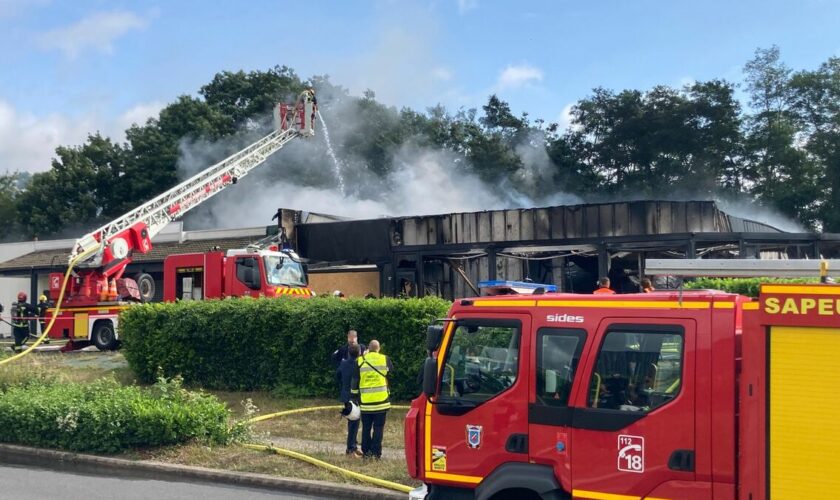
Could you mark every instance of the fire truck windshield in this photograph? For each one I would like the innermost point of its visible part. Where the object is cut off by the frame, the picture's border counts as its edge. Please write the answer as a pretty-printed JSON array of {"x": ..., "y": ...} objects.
[{"x": 282, "y": 270}]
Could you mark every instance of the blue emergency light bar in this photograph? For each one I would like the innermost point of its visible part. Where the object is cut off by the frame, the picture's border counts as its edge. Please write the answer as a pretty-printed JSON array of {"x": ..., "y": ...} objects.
[{"x": 500, "y": 287}]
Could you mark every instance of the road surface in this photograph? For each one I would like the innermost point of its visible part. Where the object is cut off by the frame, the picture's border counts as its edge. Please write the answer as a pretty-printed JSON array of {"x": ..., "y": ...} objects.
[{"x": 37, "y": 484}]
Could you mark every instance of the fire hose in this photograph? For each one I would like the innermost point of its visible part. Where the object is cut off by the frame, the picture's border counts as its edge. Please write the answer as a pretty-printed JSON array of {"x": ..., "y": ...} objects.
[
  {"x": 55, "y": 311},
  {"x": 254, "y": 446},
  {"x": 320, "y": 463}
]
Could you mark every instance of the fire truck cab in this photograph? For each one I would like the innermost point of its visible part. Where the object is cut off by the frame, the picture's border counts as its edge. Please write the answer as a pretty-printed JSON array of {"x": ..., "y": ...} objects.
[
  {"x": 630, "y": 396},
  {"x": 237, "y": 273}
]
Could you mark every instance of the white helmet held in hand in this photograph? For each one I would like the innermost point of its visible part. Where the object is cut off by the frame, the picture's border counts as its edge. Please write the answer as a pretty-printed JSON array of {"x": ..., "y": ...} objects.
[{"x": 355, "y": 412}]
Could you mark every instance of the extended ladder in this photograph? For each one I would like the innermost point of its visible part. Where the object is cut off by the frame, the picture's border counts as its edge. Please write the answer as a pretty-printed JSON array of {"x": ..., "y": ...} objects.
[{"x": 165, "y": 208}]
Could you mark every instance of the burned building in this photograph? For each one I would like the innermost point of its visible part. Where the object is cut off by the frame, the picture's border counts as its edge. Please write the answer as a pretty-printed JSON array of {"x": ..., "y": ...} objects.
[
  {"x": 448, "y": 254},
  {"x": 569, "y": 246}
]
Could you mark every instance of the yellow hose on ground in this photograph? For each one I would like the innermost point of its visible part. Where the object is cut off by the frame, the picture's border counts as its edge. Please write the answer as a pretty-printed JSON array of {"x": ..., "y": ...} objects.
[
  {"x": 55, "y": 311},
  {"x": 320, "y": 463}
]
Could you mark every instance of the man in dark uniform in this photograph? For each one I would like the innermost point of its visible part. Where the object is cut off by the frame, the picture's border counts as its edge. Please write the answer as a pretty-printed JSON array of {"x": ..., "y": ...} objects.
[
  {"x": 346, "y": 370},
  {"x": 21, "y": 313},
  {"x": 343, "y": 352}
]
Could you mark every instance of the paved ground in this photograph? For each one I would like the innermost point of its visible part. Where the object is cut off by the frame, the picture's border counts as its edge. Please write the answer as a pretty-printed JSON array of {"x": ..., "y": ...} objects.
[{"x": 34, "y": 484}]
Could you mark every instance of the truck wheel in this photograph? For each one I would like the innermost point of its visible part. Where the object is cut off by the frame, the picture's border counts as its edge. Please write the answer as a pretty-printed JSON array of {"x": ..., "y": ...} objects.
[
  {"x": 146, "y": 286},
  {"x": 104, "y": 336}
]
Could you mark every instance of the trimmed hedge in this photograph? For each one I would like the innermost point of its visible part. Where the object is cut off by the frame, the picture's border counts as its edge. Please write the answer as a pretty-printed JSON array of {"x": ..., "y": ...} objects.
[
  {"x": 743, "y": 286},
  {"x": 106, "y": 417},
  {"x": 277, "y": 344}
]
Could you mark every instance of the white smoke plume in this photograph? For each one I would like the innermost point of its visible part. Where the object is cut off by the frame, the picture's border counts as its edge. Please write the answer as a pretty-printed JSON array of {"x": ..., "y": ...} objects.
[{"x": 422, "y": 180}]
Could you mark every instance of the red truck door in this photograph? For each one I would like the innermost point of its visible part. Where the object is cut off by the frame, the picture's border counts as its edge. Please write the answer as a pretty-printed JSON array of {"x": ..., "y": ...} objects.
[
  {"x": 480, "y": 418},
  {"x": 633, "y": 428},
  {"x": 246, "y": 276},
  {"x": 557, "y": 355}
]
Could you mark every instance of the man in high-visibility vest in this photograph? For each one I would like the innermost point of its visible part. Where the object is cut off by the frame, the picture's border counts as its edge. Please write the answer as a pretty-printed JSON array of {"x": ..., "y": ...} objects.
[{"x": 372, "y": 382}]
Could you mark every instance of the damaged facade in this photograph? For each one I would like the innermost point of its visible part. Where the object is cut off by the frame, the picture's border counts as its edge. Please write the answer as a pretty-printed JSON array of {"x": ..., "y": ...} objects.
[{"x": 569, "y": 246}]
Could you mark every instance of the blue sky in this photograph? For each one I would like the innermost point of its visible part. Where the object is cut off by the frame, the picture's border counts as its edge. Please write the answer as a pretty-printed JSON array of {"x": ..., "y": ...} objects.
[{"x": 69, "y": 68}]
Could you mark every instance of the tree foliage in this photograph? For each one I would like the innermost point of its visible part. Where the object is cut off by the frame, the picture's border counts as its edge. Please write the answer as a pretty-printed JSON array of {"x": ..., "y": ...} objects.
[{"x": 780, "y": 149}]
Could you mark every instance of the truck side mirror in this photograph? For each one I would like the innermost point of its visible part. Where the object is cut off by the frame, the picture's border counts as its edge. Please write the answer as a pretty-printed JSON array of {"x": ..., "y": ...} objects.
[
  {"x": 430, "y": 377},
  {"x": 434, "y": 334}
]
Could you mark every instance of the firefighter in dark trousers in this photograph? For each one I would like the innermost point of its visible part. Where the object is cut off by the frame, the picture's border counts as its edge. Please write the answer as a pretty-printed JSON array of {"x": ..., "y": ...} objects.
[
  {"x": 345, "y": 373},
  {"x": 372, "y": 381},
  {"x": 21, "y": 312},
  {"x": 43, "y": 305}
]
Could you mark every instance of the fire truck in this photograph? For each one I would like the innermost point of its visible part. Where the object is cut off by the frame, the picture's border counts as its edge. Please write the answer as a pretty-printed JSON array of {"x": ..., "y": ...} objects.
[
  {"x": 665, "y": 395},
  {"x": 259, "y": 270},
  {"x": 98, "y": 289}
]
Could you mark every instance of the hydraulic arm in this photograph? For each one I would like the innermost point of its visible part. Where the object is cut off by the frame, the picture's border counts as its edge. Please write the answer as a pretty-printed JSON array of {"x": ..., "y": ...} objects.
[{"x": 102, "y": 255}]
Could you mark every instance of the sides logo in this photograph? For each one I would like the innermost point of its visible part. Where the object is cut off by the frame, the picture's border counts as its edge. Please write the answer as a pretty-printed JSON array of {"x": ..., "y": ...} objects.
[
  {"x": 474, "y": 436},
  {"x": 563, "y": 318}
]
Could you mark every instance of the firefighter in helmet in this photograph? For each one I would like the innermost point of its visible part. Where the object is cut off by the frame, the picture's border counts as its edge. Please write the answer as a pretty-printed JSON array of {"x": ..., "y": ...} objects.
[
  {"x": 307, "y": 100},
  {"x": 43, "y": 306},
  {"x": 22, "y": 311}
]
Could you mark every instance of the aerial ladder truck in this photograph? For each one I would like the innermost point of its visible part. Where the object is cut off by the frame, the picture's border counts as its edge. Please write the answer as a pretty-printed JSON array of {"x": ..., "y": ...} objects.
[{"x": 96, "y": 289}]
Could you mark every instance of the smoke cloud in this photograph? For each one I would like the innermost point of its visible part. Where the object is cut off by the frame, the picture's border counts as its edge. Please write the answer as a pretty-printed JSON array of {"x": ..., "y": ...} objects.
[{"x": 421, "y": 180}]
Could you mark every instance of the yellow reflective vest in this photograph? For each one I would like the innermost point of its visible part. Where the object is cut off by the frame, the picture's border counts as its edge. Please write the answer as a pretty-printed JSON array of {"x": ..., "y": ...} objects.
[{"x": 373, "y": 384}]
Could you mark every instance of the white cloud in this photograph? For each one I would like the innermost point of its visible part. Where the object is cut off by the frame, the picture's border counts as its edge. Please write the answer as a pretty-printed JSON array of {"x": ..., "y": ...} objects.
[
  {"x": 514, "y": 76},
  {"x": 564, "y": 121},
  {"x": 442, "y": 74},
  {"x": 686, "y": 81},
  {"x": 465, "y": 6},
  {"x": 28, "y": 142},
  {"x": 96, "y": 32},
  {"x": 137, "y": 114}
]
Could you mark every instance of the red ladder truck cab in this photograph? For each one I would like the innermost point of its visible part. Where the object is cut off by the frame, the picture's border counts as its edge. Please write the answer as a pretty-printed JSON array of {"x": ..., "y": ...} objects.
[
  {"x": 235, "y": 273},
  {"x": 663, "y": 395}
]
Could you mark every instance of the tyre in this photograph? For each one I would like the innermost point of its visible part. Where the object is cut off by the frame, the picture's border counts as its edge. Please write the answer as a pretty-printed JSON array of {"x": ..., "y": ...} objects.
[
  {"x": 104, "y": 336},
  {"x": 146, "y": 286}
]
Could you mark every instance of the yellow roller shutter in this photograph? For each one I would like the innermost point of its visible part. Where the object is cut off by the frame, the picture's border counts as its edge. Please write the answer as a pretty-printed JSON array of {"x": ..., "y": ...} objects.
[{"x": 804, "y": 421}]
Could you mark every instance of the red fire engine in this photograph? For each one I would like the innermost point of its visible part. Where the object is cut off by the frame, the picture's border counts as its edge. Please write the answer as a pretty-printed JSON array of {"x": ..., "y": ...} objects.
[
  {"x": 664, "y": 395},
  {"x": 98, "y": 289},
  {"x": 253, "y": 272}
]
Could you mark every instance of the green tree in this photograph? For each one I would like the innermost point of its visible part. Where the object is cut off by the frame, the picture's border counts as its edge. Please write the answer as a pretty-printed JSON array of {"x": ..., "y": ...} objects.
[
  {"x": 650, "y": 143},
  {"x": 10, "y": 190},
  {"x": 240, "y": 96},
  {"x": 78, "y": 189},
  {"x": 782, "y": 174},
  {"x": 816, "y": 101}
]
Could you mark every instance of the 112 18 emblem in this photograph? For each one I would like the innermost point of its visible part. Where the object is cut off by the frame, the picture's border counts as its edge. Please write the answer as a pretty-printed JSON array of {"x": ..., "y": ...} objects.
[{"x": 474, "y": 436}]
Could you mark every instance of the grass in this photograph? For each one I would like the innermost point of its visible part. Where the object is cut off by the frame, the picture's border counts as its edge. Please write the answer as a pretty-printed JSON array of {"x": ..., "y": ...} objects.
[
  {"x": 316, "y": 426},
  {"x": 236, "y": 458},
  {"x": 321, "y": 426},
  {"x": 71, "y": 367}
]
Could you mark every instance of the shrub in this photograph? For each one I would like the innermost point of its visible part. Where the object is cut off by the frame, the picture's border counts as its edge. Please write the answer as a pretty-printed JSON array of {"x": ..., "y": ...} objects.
[
  {"x": 279, "y": 344},
  {"x": 106, "y": 417},
  {"x": 744, "y": 286}
]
